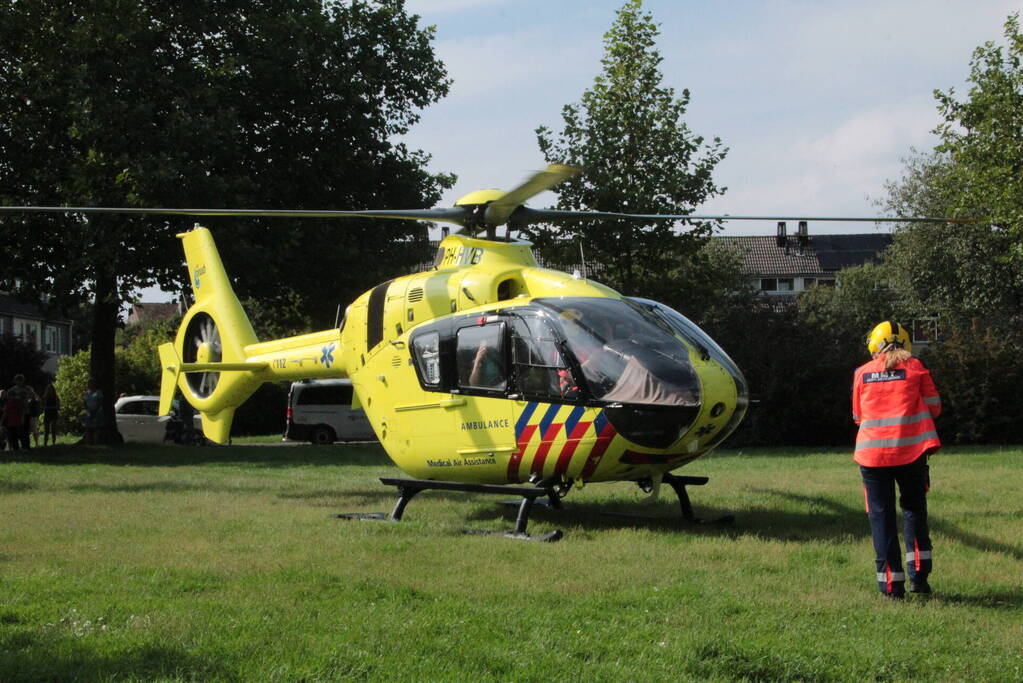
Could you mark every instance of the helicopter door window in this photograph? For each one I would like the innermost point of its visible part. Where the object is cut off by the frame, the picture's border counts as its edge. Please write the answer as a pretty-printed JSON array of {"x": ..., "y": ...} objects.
[
  {"x": 480, "y": 358},
  {"x": 540, "y": 368},
  {"x": 426, "y": 348}
]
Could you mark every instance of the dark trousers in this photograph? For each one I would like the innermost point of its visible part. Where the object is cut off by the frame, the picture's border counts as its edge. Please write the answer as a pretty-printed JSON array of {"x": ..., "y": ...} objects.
[
  {"x": 879, "y": 489},
  {"x": 17, "y": 436}
]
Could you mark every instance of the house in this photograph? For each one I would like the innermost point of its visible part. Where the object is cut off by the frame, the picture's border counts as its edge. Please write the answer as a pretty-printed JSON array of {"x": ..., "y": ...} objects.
[
  {"x": 28, "y": 321},
  {"x": 784, "y": 266},
  {"x": 151, "y": 312}
]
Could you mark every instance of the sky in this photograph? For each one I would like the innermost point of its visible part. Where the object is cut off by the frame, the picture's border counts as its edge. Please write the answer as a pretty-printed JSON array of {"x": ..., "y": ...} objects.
[{"x": 818, "y": 101}]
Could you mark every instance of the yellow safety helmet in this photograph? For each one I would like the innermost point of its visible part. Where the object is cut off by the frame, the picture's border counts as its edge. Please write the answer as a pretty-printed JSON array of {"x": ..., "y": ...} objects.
[{"x": 888, "y": 334}]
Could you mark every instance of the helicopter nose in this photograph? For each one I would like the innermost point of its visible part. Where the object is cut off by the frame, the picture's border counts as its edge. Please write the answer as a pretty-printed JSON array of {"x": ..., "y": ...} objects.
[{"x": 727, "y": 396}]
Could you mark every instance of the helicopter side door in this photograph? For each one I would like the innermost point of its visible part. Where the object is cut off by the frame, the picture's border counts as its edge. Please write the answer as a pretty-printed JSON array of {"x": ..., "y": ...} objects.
[{"x": 461, "y": 422}]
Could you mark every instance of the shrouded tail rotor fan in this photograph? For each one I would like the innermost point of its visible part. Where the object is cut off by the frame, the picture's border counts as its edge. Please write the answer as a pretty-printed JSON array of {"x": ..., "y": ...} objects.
[{"x": 202, "y": 345}]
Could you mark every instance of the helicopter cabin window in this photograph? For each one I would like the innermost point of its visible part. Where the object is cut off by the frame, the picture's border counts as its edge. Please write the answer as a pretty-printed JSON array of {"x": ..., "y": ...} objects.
[
  {"x": 426, "y": 348},
  {"x": 480, "y": 358},
  {"x": 540, "y": 368}
]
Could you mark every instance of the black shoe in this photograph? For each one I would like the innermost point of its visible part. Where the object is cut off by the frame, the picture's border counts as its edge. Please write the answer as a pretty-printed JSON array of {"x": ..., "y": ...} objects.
[
  {"x": 895, "y": 596},
  {"x": 920, "y": 586}
]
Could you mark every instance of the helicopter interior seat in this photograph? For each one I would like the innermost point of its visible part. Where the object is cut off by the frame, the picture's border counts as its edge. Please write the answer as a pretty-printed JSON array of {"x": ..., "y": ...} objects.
[{"x": 538, "y": 381}]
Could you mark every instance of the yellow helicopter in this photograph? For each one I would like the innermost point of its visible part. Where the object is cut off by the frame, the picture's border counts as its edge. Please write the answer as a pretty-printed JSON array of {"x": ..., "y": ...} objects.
[
  {"x": 484, "y": 373},
  {"x": 485, "y": 370}
]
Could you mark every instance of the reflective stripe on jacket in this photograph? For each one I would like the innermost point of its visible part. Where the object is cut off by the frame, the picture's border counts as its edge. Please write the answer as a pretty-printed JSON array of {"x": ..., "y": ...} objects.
[{"x": 895, "y": 410}]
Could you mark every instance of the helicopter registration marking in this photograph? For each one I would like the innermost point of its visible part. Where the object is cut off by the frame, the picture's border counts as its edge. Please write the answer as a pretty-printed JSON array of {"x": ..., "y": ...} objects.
[{"x": 461, "y": 256}]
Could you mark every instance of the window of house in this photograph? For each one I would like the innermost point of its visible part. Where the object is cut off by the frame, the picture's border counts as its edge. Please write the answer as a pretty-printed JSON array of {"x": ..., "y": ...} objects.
[
  {"x": 479, "y": 357},
  {"x": 768, "y": 284},
  {"x": 51, "y": 339},
  {"x": 786, "y": 284},
  {"x": 65, "y": 339},
  {"x": 27, "y": 333},
  {"x": 825, "y": 282}
]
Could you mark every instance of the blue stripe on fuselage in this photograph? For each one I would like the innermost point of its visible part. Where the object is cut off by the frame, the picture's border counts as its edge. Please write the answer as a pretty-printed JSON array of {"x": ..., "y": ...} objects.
[
  {"x": 524, "y": 418},
  {"x": 548, "y": 418},
  {"x": 573, "y": 419}
]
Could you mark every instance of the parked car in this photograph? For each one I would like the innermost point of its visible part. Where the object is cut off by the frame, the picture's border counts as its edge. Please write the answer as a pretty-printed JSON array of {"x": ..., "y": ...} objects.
[
  {"x": 138, "y": 419},
  {"x": 320, "y": 411}
]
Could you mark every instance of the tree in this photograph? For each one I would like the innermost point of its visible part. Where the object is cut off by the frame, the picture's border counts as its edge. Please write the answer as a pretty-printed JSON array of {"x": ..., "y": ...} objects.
[
  {"x": 639, "y": 156},
  {"x": 962, "y": 272},
  {"x": 954, "y": 271},
  {"x": 215, "y": 103},
  {"x": 20, "y": 358},
  {"x": 982, "y": 137}
]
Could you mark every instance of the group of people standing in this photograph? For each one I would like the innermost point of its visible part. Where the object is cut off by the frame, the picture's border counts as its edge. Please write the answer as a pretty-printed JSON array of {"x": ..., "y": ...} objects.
[{"x": 20, "y": 411}]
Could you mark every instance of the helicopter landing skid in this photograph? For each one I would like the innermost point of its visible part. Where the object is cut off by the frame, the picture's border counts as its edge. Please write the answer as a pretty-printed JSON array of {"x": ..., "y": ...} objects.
[
  {"x": 408, "y": 488},
  {"x": 678, "y": 484}
]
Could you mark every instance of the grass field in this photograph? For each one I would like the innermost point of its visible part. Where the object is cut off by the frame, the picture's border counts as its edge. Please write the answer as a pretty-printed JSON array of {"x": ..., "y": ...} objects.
[{"x": 224, "y": 563}]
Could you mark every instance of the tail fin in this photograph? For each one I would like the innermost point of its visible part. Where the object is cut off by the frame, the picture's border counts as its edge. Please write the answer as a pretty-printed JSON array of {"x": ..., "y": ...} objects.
[{"x": 215, "y": 359}]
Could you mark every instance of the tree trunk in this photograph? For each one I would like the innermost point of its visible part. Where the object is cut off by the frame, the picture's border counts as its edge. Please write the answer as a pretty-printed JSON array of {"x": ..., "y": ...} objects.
[{"x": 101, "y": 364}]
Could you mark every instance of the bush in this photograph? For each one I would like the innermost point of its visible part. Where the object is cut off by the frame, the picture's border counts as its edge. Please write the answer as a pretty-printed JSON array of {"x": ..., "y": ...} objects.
[
  {"x": 799, "y": 376},
  {"x": 978, "y": 372}
]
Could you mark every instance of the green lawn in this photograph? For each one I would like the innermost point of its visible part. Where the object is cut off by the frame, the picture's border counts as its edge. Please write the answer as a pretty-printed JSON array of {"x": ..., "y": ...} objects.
[{"x": 173, "y": 563}]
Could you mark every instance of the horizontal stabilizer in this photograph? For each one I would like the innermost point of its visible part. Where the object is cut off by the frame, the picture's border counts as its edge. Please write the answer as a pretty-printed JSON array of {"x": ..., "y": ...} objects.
[{"x": 221, "y": 367}]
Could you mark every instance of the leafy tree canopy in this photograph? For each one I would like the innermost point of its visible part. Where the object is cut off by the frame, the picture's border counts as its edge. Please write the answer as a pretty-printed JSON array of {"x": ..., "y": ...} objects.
[
  {"x": 211, "y": 103},
  {"x": 639, "y": 156},
  {"x": 982, "y": 137},
  {"x": 962, "y": 272}
]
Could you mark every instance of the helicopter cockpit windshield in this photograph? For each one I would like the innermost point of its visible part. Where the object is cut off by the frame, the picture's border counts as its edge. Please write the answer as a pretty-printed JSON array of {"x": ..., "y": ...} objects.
[{"x": 626, "y": 355}]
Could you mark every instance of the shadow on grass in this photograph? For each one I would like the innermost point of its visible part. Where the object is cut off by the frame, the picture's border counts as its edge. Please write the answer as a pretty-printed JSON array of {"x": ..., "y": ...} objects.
[
  {"x": 29, "y": 658},
  {"x": 1006, "y": 600},
  {"x": 16, "y": 486},
  {"x": 137, "y": 455},
  {"x": 384, "y": 496},
  {"x": 937, "y": 524},
  {"x": 825, "y": 520}
]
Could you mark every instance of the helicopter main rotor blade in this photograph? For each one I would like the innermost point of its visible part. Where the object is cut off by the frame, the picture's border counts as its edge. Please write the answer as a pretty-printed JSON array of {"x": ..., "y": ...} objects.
[
  {"x": 457, "y": 215},
  {"x": 527, "y": 216},
  {"x": 499, "y": 210}
]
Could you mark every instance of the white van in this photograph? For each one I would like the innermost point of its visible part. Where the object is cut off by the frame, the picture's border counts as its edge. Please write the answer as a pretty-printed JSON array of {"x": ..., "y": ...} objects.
[{"x": 320, "y": 411}]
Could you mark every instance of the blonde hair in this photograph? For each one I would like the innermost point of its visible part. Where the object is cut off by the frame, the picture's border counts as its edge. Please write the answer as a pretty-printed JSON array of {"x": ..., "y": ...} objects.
[{"x": 894, "y": 356}]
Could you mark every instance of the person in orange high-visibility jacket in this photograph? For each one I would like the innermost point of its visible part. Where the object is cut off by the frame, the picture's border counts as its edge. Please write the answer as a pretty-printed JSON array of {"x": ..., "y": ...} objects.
[{"x": 894, "y": 401}]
